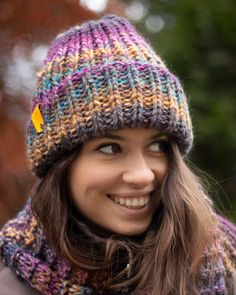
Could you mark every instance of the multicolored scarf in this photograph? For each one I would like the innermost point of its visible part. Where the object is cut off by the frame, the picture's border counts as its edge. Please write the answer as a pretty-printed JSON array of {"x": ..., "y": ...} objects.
[{"x": 24, "y": 248}]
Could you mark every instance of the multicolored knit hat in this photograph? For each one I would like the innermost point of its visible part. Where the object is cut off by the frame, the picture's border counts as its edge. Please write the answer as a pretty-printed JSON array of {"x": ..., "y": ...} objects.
[{"x": 102, "y": 76}]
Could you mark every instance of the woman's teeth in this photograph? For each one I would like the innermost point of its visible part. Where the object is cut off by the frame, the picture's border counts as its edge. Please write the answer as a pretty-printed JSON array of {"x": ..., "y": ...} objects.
[{"x": 133, "y": 203}]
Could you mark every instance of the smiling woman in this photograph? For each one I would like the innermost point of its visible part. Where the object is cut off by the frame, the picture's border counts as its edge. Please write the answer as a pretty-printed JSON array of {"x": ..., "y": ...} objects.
[{"x": 116, "y": 209}]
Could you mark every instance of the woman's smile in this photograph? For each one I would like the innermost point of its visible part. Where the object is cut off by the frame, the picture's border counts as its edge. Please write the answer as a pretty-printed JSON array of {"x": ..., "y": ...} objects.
[{"x": 134, "y": 201}]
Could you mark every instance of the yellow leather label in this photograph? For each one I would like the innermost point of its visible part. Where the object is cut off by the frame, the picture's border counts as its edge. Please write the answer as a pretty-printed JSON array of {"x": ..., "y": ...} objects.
[{"x": 37, "y": 119}]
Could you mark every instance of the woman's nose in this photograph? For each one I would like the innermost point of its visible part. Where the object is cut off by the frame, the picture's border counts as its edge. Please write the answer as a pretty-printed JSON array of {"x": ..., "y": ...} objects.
[{"x": 138, "y": 172}]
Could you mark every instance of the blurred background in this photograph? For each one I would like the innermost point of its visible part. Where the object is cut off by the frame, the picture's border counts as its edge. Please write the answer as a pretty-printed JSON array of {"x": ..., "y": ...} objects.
[{"x": 195, "y": 38}]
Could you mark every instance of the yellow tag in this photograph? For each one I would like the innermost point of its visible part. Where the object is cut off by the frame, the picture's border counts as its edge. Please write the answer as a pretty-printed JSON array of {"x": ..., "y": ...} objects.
[{"x": 37, "y": 119}]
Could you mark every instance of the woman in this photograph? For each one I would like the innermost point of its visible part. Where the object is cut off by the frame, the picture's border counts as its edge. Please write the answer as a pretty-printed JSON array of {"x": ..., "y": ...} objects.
[{"x": 116, "y": 209}]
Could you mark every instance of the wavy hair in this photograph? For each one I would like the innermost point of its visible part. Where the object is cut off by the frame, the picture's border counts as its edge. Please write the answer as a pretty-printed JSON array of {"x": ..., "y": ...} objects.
[{"x": 165, "y": 260}]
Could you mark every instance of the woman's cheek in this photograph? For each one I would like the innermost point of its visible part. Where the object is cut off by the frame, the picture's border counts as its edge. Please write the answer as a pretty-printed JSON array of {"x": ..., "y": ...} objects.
[{"x": 97, "y": 177}]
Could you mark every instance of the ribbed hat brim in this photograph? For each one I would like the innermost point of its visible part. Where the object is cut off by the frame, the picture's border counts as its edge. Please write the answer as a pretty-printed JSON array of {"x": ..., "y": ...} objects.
[{"x": 93, "y": 100}]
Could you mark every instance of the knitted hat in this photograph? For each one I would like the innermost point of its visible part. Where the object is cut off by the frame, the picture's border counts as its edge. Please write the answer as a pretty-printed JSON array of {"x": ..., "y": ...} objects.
[{"x": 102, "y": 76}]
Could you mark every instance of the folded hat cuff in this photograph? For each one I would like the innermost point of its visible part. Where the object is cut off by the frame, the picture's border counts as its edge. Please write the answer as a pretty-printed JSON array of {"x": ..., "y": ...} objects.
[{"x": 93, "y": 100}]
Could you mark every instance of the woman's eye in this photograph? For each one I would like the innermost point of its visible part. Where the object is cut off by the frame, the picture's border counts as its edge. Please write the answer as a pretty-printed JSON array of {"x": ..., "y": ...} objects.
[
  {"x": 159, "y": 146},
  {"x": 110, "y": 149}
]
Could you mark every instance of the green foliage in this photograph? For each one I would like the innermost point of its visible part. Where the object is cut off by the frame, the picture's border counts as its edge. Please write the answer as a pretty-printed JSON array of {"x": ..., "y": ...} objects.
[{"x": 198, "y": 42}]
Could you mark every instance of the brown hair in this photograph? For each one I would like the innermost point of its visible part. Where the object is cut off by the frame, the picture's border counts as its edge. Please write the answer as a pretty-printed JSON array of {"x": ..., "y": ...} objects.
[{"x": 164, "y": 260}]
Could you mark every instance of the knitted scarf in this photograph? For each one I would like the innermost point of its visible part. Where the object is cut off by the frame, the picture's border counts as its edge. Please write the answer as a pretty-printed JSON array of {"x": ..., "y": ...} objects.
[{"x": 24, "y": 248}]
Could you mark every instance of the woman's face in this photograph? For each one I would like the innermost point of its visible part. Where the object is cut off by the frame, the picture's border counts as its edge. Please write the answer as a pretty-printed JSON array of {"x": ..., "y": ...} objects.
[{"x": 115, "y": 180}]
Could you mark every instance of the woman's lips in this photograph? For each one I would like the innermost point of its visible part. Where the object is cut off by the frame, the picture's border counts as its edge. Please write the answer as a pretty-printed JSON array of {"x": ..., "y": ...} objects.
[{"x": 131, "y": 200}]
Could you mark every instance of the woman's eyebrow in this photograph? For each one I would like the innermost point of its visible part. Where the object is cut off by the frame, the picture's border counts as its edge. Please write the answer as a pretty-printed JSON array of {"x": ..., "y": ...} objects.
[
  {"x": 110, "y": 136},
  {"x": 159, "y": 134}
]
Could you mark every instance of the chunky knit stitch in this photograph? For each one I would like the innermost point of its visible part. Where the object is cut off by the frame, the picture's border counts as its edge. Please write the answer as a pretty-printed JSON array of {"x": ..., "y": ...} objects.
[
  {"x": 24, "y": 248},
  {"x": 102, "y": 76}
]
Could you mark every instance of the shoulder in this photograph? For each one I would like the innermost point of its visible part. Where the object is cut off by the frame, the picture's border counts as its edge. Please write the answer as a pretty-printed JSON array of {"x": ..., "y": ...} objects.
[
  {"x": 228, "y": 228},
  {"x": 227, "y": 236},
  {"x": 227, "y": 241},
  {"x": 10, "y": 284}
]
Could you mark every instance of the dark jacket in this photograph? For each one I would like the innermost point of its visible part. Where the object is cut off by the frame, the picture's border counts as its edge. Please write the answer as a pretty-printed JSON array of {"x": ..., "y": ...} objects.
[{"x": 10, "y": 284}]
